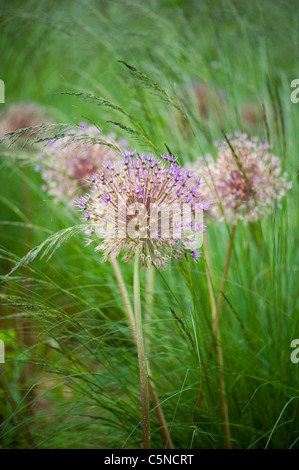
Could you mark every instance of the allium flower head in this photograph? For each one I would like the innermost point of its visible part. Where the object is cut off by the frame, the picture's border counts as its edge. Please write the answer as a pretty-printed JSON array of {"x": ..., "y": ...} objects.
[
  {"x": 19, "y": 116},
  {"x": 245, "y": 179},
  {"x": 144, "y": 203},
  {"x": 67, "y": 162}
]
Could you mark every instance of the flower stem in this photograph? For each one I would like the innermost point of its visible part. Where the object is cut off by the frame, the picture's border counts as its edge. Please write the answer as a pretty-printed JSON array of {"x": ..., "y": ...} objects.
[
  {"x": 125, "y": 297},
  {"x": 141, "y": 356},
  {"x": 153, "y": 394},
  {"x": 150, "y": 276},
  {"x": 150, "y": 280}
]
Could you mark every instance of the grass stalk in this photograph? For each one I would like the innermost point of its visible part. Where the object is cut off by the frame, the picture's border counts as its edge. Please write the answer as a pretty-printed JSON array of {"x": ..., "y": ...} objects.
[{"x": 17, "y": 413}]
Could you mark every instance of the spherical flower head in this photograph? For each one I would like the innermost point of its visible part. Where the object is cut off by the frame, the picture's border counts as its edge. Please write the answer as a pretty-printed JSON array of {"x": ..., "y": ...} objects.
[
  {"x": 67, "y": 162},
  {"x": 20, "y": 116},
  {"x": 245, "y": 180},
  {"x": 147, "y": 204}
]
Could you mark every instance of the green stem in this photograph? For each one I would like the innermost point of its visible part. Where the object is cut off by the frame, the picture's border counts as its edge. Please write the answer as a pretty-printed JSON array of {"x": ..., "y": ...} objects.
[
  {"x": 150, "y": 280},
  {"x": 141, "y": 356},
  {"x": 150, "y": 276},
  {"x": 125, "y": 297}
]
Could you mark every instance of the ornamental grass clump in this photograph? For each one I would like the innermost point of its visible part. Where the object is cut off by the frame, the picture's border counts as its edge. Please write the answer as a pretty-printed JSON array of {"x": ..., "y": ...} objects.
[{"x": 151, "y": 208}]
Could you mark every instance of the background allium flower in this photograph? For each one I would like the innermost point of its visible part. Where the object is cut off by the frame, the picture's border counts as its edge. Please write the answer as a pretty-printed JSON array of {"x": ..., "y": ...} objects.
[
  {"x": 246, "y": 182},
  {"x": 66, "y": 163},
  {"x": 144, "y": 203},
  {"x": 18, "y": 116},
  {"x": 209, "y": 99}
]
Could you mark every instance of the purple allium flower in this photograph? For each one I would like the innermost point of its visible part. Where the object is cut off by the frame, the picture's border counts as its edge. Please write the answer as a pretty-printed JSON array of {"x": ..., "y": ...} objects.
[
  {"x": 19, "y": 116},
  {"x": 144, "y": 203},
  {"x": 68, "y": 162},
  {"x": 244, "y": 182}
]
